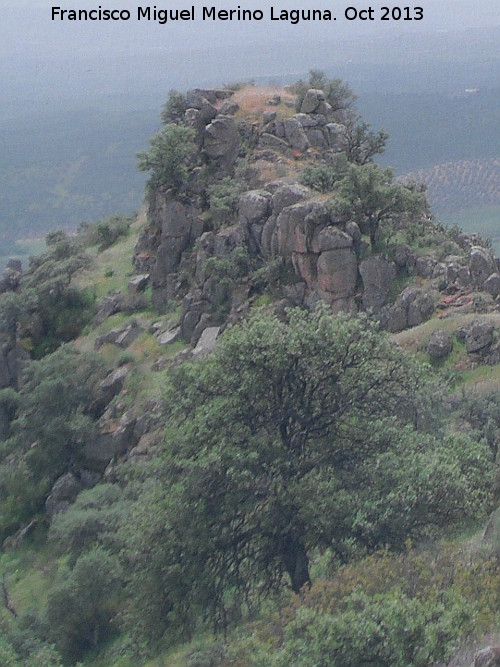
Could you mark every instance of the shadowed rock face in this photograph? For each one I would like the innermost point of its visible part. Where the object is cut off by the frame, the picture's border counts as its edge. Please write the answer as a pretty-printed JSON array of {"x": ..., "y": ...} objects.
[
  {"x": 222, "y": 141},
  {"x": 378, "y": 277}
]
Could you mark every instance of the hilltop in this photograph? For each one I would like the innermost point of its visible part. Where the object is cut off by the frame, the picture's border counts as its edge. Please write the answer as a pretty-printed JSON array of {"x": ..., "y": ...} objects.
[{"x": 265, "y": 406}]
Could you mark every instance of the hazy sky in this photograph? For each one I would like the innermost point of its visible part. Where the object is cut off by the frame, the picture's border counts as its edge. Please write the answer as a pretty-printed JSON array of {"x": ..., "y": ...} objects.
[{"x": 36, "y": 51}]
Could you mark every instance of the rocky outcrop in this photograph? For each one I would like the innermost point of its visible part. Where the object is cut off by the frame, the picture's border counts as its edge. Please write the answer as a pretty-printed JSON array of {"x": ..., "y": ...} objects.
[
  {"x": 206, "y": 342},
  {"x": 283, "y": 221},
  {"x": 120, "y": 337},
  {"x": 412, "y": 307},
  {"x": 113, "y": 440},
  {"x": 312, "y": 128}
]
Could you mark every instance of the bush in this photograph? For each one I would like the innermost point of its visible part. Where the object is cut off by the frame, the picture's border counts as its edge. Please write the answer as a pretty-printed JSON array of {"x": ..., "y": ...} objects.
[
  {"x": 169, "y": 158},
  {"x": 323, "y": 177},
  {"x": 389, "y": 629},
  {"x": 82, "y": 603},
  {"x": 91, "y": 521},
  {"x": 175, "y": 107},
  {"x": 223, "y": 198},
  {"x": 105, "y": 233}
]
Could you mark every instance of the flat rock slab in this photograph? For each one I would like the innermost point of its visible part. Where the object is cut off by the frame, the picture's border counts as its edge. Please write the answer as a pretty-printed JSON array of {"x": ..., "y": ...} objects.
[
  {"x": 168, "y": 337},
  {"x": 206, "y": 344}
]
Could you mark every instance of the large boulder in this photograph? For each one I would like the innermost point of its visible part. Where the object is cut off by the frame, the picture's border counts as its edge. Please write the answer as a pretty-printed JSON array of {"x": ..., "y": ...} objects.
[
  {"x": 254, "y": 206},
  {"x": 297, "y": 227},
  {"x": 313, "y": 101},
  {"x": 295, "y": 134},
  {"x": 440, "y": 344},
  {"x": 378, "y": 277},
  {"x": 180, "y": 225},
  {"x": 337, "y": 272},
  {"x": 207, "y": 341},
  {"x": 481, "y": 265},
  {"x": 228, "y": 239},
  {"x": 479, "y": 338},
  {"x": 194, "y": 118},
  {"x": 330, "y": 238},
  {"x": 412, "y": 307},
  {"x": 222, "y": 141},
  {"x": 402, "y": 253},
  {"x": 287, "y": 195},
  {"x": 113, "y": 383},
  {"x": 62, "y": 494},
  {"x": 492, "y": 285}
]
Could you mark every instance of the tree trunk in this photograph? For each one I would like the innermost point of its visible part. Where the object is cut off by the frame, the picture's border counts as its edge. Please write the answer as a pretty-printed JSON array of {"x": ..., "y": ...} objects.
[
  {"x": 373, "y": 222},
  {"x": 296, "y": 563}
]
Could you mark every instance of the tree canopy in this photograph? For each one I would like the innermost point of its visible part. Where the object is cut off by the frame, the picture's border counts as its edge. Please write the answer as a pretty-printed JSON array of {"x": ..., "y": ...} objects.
[
  {"x": 368, "y": 195},
  {"x": 296, "y": 436}
]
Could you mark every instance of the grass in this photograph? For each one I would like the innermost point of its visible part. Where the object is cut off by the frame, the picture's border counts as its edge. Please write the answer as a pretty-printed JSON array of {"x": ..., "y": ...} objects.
[
  {"x": 481, "y": 377},
  {"x": 252, "y": 101},
  {"x": 113, "y": 267},
  {"x": 29, "y": 573}
]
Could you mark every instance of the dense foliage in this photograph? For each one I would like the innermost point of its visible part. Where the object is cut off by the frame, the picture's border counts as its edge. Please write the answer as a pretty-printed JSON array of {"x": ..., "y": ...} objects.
[
  {"x": 53, "y": 420},
  {"x": 171, "y": 150},
  {"x": 297, "y": 436}
]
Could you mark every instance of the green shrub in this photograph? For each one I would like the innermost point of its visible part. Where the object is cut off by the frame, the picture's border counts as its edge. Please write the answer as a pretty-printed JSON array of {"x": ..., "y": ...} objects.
[
  {"x": 323, "y": 177},
  {"x": 83, "y": 602},
  {"x": 174, "y": 108},
  {"x": 389, "y": 629},
  {"x": 169, "y": 158},
  {"x": 91, "y": 521},
  {"x": 105, "y": 233},
  {"x": 223, "y": 200}
]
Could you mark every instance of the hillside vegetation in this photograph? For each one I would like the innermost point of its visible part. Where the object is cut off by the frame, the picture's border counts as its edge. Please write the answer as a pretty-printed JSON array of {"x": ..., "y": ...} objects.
[{"x": 257, "y": 424}]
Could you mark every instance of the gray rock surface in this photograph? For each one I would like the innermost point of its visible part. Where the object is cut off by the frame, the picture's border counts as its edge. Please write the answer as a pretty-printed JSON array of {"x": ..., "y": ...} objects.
[
  {"x": 62, "y": 494},
  {"x": 312, "y": 101},
  {"x": 480, "y": 336},
  {"x": 138, "y": 283},
  {"x": 481, "y": 264},
  {"x": 440, "y": 344},
  {"x": 378, "y": 276},
  {"x": 254, "y": 206},
  {"x": 492, "y": 285},
  {"x": 222, "y": 141},
  {"x": 287, "y": 195},
  {"x": 113, "y": 383},
  {"x": 295, "y": 134},
  {"x": 207, "y": 341}
]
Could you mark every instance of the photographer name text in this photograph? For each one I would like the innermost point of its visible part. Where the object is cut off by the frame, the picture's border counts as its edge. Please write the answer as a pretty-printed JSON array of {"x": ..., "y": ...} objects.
[{"x": 240, "y": 14}]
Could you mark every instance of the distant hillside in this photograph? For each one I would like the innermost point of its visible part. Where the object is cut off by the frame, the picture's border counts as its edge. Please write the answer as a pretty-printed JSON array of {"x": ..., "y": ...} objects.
[
  {"x": 465, "y": 184},
  {"x": 69, "y": 165}
]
